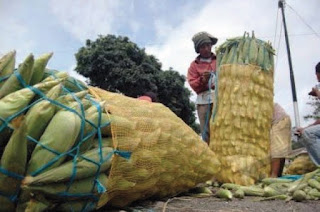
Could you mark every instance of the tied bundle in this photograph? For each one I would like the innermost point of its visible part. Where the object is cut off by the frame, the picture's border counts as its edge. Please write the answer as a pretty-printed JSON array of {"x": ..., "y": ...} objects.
[{"x": 52, "y": 139}]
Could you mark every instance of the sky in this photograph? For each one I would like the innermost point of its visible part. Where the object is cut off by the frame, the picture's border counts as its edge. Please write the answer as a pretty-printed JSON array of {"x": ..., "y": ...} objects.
[{"x": 165, "y": 28}]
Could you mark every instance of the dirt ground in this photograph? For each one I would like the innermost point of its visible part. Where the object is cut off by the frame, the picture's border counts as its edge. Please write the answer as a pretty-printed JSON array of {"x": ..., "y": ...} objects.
[{"x": 206, "y": 204}]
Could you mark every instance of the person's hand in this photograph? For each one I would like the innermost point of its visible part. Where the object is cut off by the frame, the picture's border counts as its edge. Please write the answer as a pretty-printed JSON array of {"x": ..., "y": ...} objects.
[
  {"x": 316, "y": 91},
  {"x": 299, "y": 131},
  {"x": 205, "y": 76},
  {"x": 312, "y": 93}
]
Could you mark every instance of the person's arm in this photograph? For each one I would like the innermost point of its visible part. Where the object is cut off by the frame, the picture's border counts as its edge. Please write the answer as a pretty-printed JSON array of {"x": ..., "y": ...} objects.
[
  {"x": 300, "y": 130},
  {"x": 195, "y": 79},
  {"x": 316, "y": 92}
]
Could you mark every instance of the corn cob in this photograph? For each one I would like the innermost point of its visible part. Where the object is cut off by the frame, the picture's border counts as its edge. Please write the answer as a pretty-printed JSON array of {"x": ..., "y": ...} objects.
[
  {"x": 12, "y": 83},
  {"x": 105, "y": 142},
  {"x": 14, "y": 160},
  {"x": 71, "y": 97},
  {"x": 7, "y": 63},
  {"x": 76, "y": 206},
  {"x": 314, "y": 184},
  {"x": 94, "y": 119},
  {"x": 72, "y": 84},
  {"x": 299, "y": 195},
  {"x": 270, "y": 191},
  {"x": 39, "y": 67},
  {"x": 239, "y": 194},
  {"x": 18, "y": 100},
  {"x": 35, "y": 206},
  {"x": 55, "y": 190},
  {"x": 268, "y": 181},
  {"x": 253, "y": 50},
  {"x": 39, "y": 115},
  {"x": 59, "y": 75},
  {"x": 224, "y": 194},
  {"x": 84, "y": 168},
  {"x": 314, "y": 193},
  {"x": 245, "y": 49},
  {"x": 65, "y": 126}
]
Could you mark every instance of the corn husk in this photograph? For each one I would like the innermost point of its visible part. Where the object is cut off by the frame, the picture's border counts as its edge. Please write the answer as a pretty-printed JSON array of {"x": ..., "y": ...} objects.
[
  {"x": 76, "y": 190},
  {"x": 35, "y": 206},
  {"x": 18, "y": 100},
  {"x": 60, "y": 135},
  {"x": 84, "y": 168},
  {"x": 7, "y": 63},
  {"x": 14, "y": 160},
  {"x": 39, "y": 67},
  {"x": 76, "y": 206},
  {"x": 13, "y": 84},
  {"x": 39, "y": 115}
]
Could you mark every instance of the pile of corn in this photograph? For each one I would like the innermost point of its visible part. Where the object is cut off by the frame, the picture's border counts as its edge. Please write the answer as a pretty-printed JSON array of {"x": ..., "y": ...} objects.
[
  {"x": 241, "y": 122},
  {"x": 47, "y": 138},
  {"x": 65, "y": 146},
  {"x": 305, "y": 188}
]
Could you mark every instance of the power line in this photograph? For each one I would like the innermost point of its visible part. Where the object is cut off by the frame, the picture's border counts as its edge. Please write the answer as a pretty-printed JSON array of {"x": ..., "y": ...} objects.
[
  {"x": 275, "y": 32},
  {"x": 308, "y": 25},
  {"x": 278, "y": 47}
]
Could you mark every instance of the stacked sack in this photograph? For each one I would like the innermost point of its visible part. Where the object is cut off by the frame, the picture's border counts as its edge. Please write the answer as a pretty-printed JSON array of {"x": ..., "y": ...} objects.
[
  {"x": 241, "y": 123},
  {"x": 65, "y": 146}
]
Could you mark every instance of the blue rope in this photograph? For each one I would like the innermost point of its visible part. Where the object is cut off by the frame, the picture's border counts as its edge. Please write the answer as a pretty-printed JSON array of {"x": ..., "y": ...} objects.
[
  {"x": 11, "y": 174},
  {"x": 216, "y": 98},
  {"x": 12, "y": 198},
  {"x": 4, "y": 78},
  {"x": 203, "y": 135}
]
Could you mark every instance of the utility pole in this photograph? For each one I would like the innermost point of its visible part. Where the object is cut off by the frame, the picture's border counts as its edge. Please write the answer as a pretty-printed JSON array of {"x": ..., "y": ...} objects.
[{"x": 281, "y": 4}]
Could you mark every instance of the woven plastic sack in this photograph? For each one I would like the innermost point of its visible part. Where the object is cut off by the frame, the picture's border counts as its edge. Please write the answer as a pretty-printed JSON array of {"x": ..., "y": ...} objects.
[{"x": 167, "y": 156}]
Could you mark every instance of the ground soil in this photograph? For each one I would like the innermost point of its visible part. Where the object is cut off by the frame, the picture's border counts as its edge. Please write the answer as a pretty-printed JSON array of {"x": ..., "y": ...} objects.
[{"x": 206, "y": 204}]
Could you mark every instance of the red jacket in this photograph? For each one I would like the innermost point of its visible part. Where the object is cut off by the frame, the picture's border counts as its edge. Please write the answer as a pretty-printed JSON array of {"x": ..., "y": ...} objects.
[{"x": 196, "y": 69}]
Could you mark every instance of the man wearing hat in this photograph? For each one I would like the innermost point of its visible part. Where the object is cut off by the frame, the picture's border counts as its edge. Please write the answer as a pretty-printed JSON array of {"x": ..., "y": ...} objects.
[{"x": 201, "y": 70}]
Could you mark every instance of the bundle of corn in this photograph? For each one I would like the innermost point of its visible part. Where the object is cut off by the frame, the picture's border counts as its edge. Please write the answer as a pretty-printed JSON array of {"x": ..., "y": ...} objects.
[
  {"x": 300, "y": 165},
  {"x": 167, "y": 158},
  {"x": 305, "y": 188},
  {"x": 241, "y": 121},
  {"x": 51, "y": 147},
  {"x": 57, "y": 144}
]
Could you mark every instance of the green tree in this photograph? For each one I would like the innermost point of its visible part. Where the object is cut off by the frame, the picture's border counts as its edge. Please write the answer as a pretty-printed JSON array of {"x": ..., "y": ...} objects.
[
  {"x": 315, "y": 103},
  {"x": 116, "y": 64}
]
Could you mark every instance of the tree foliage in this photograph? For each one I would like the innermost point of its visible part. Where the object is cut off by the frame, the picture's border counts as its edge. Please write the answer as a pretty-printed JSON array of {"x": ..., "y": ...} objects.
[
  {"x": 116, "y": 64},
  {"x": 315, "y": 103}
]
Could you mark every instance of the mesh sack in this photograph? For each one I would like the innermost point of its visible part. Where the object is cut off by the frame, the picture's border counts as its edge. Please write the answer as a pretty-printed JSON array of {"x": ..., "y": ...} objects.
[
  {"x": 242, "y": 116},
  {"x": 302, "y": 164},
  {"x": 167, "y": 156}
]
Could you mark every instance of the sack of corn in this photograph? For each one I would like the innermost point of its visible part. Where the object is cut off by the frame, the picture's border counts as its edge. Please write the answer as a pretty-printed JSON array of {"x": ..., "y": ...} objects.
[
  {"x": 301, "y": 164},
  {"x": 241, "y": 121},
  {"x": 167, "y": 158},
  {"x": 65, "y": 146}
]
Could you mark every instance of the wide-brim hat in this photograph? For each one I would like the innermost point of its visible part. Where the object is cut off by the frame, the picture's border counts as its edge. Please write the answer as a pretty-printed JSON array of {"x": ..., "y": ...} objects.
[{"x": 201, "y": 38}]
